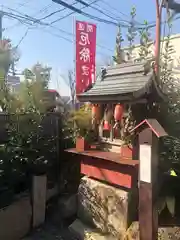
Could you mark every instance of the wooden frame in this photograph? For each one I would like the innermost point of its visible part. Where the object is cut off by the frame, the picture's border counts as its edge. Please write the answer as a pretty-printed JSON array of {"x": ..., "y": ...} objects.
[{"x": 108, "y": 167}]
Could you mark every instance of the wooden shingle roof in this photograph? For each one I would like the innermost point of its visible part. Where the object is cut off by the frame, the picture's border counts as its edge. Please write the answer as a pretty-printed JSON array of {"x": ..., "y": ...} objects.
[{"x": 122, "y": 82}]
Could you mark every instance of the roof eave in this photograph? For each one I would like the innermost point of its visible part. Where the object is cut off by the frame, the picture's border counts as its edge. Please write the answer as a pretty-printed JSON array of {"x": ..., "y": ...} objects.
[{"x": 126, "y": 97}]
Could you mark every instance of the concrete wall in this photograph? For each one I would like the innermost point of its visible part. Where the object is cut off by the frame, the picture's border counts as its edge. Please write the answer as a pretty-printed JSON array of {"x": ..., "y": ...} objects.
[
  {"x": 16, "y": 219},
  {"x": 175, "y": 54}
]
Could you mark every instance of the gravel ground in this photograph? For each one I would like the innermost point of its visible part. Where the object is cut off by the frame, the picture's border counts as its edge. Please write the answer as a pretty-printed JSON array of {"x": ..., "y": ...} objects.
[
  {"x": 54, "y": 228},
  {"x": 50, "y": 232}
]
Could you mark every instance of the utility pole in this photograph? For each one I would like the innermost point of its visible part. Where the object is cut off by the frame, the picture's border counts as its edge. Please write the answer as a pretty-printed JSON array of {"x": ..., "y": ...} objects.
[
  {"x": 168, "y": 4},
  {"x": 159, "y": 7},
  {"x": 1, "y": 27}
]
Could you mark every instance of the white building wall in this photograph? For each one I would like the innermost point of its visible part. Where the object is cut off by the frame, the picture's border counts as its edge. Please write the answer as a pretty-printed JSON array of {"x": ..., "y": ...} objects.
[{"x": 174, "y": 42}]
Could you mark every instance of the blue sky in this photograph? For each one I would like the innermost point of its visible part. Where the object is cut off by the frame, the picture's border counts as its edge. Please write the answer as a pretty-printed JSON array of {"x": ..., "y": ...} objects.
[{"x": 44, "y": 44}]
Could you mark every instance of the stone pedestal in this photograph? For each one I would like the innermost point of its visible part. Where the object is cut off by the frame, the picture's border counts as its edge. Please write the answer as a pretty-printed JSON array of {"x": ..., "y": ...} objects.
[
  {"x": 106, "y": 207},
  {"x": 39, "y": 199}
]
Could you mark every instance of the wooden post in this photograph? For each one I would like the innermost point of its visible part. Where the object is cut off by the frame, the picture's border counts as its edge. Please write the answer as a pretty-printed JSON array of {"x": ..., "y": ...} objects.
[
  {"x": 148, "y": 218},
  {"x": 148, "y": 176},
  {"x": 148, "y": 173}
]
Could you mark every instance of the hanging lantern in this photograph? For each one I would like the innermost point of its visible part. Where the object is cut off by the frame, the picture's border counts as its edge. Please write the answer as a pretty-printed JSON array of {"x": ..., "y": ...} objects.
[
  {"x": 106, "y": 125},
  {"x": 118, "y": 112},
  {"x": 107, "y": 118}
]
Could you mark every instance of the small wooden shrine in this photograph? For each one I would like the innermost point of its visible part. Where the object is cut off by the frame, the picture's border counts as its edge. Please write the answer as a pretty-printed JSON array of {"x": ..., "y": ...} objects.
[{"x": 125, "y": 95}]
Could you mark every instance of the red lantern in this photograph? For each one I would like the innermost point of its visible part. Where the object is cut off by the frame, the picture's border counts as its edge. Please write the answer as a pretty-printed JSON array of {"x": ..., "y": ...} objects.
[
  {"x": 106, "y": 125},
  {"x": 118, "y": 112}
]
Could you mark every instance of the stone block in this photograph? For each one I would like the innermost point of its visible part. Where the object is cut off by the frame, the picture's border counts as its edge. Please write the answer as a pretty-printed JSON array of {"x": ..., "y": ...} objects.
[
  {"x": 104, "y": 206},
  {"x": 85, "y": 233},
  {"x": 67, "y": 206}
]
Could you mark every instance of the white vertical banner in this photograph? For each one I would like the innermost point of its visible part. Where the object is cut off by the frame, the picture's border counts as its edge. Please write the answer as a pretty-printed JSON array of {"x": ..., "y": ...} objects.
[{"x": 145, "y": 163}]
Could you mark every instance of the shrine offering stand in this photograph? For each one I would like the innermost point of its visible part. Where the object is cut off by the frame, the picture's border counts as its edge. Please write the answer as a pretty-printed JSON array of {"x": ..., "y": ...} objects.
[{"x": 108, "y": 194}]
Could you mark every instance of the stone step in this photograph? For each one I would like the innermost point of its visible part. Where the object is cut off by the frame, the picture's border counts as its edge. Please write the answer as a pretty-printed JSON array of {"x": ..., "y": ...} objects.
[{"x": 83, "y": 232}]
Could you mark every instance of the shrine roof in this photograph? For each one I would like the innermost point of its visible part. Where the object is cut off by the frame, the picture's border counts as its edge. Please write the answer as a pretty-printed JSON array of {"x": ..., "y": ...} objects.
[{"x": 121, "y": 82}]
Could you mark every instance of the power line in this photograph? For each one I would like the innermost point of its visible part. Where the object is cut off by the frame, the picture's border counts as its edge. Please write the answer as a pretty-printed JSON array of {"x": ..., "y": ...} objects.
[
  {"x": 69, "y": 14},
  {"x": 23, "y": 37},
  {"x": 77, "y": 10},
  {"x": 117, "y": 12},
  {"x": 100, "y": 11},
  {"x": 38, "y": 21},
  {"x": 20, "y": 22},
  {"x": 56, "y": 35},
  {"x": 13, "y": 26},
  {"x": 104, "y": 9},
  {"x": 47, "y": 25},
  {"x": 23, "y": 4},
  {"x": 67, "y": 39},
  {"x": 72, "y": 35},
  {"x": 58, "y": 11},
  {"x": 31, "y": 20},
  {"x": 44, "y": 9},
  {"x": 17, "y": 17},
  {"x": 115, "y": 9}
]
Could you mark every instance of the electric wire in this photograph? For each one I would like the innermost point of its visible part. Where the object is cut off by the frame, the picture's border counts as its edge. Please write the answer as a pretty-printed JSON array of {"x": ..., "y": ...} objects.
[
  {"x": 77, "y": 10},
  {"x": 23, "y": 37},
  {"x": 44, "y": 9},
  {"x": 26, "y": 19},
  {"x": 58, "y": 11},
  {"x": 117, "y": 12},
  {"x": 101, "y": 11},
  {"x": 113, "y": 8},
  {"x": 66, "y": 39},
  {"x": 23, "y": 4},
  {"x": 35, "y": 20},
  {"x": 108, "y": 11},
  {"x": 60, "y": 36},
  {"x": 69, "y": 14},
  {"x": 32, "y": 20}
]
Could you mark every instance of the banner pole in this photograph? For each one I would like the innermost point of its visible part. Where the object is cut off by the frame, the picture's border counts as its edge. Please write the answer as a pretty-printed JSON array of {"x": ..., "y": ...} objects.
[{"x": 74, "y": 75}]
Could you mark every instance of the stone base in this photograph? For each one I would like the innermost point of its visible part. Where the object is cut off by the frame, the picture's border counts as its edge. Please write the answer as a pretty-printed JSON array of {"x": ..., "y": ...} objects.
[
  {"x": 163, "y": 233},
  {"x": 85, "y": 233},
  {"x": 105, "y": 207}
]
